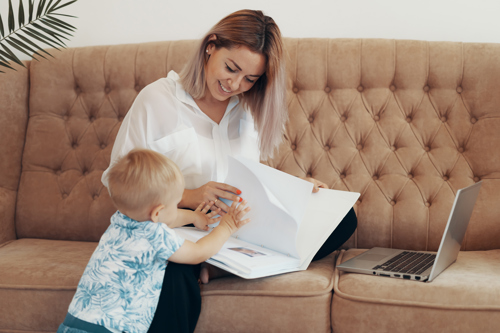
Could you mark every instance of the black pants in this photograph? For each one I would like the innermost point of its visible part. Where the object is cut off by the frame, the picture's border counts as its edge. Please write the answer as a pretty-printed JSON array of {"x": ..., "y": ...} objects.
[{"x": 180, "y": 300}]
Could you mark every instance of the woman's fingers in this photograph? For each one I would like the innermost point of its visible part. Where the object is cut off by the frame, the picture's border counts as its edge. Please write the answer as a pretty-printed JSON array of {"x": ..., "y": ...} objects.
[{"x": 227, "y": 188}]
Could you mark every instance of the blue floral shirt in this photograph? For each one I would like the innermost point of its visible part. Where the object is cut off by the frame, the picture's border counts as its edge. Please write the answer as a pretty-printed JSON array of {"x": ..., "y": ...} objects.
[{"x": 121, "y": 284}]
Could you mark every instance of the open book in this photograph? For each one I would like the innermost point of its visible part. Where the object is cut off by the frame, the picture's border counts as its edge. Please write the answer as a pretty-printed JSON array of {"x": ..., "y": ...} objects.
[{"x": 288, "y": 223}]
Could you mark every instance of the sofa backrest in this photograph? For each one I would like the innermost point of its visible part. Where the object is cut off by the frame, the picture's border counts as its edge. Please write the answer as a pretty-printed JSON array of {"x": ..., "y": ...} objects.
[
  {"x": 14, "y": 90},
  {"x": 405, "y": 123}
]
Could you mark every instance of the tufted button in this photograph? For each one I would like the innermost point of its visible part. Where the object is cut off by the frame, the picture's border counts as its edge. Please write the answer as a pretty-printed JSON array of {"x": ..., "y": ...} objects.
[
  {"x": 137, "y": 87},
  {"x": 473, "y": 120},
  {"x": 375, "y": 177},
  {"x": 95, "y": 196},
  {"x": 58, "y": 172},
  {"x": 85, "y": 173},
  {"x": 327, "y": 90},
  {"x": 393, "y": 202},
  {"x": 476, "y": 179},
  {"x": 103, "y": 146},
  {"x": 311, "y": 119},
  {"x": 427, "y": 88},
  {"x": 459, "y": 90},
  {"x": 327, "y": 147},
  {"x": 427, "y": 204},
  {"x": 359, "y": 201},
  {"x": 120, "y": 118},
  {"x": 294, "y": 147},
  {"x": 342, "y": 175},
  {"x": 359, "y": 146},
  {"x": 445, "y": 178},
  {"x": 410, "y": 175},
  {"x": 393, "y": 148},
  {"x": 427, "y": 148},
  {"x": 309, "y": 175},
  {"x": 78, "y": 90},
  {"x": 74, "y": 145},
  {"x": 295, "y": 90},
  {"x": 343, "y": 118},
  {"x": 444, "y": 119},
  {"x": 360, "y": 88},
  {"x": 461, "y": 149},
  {"x": 92, "y": 119},
  {"x": 376, "y": 118},
  {"x": 65, "y": 117},
  {"x": 107, "y": 89},
  {"x": 408, "y": 119},
  {"x": 64, "y": 195},
  {"x": 392, "y": 87}
]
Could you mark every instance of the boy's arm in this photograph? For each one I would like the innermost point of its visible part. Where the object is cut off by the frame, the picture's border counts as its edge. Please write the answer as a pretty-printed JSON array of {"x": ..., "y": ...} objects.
[
  {"x": 199, "y": 217},
  {"x": 206, "y": 247}
]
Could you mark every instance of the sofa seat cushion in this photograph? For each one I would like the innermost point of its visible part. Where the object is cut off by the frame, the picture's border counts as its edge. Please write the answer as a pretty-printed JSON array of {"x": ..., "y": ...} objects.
[
  {"x": 293, "y": 302},
  {"x": 38, "y": 279},
  {"x": 463, "y": 298}
]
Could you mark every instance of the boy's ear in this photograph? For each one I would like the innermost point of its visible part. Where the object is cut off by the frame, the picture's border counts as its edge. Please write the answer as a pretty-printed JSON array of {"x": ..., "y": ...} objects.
[{"x": 155, "y": 213}]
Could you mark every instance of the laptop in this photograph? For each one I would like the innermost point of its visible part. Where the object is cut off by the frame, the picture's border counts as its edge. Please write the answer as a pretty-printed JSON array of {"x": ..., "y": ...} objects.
[{"x": 416, "y": 265}]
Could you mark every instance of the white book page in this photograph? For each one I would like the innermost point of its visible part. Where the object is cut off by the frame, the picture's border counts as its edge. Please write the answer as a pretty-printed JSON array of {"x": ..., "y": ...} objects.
[
  {"x": 292, "y": 192},
  {"x": 271, "y": 226},
  {"x": 325, "y": 210}
]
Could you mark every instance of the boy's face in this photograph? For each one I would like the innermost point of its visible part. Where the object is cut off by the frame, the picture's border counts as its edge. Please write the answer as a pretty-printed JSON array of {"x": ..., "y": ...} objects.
[{"x": 168, "y": 215}]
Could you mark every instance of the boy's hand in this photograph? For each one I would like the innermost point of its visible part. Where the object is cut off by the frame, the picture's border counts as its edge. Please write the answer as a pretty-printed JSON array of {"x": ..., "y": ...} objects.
[
  {"x": 233, "y": 218},
  {"x": 202, "y": 219}
]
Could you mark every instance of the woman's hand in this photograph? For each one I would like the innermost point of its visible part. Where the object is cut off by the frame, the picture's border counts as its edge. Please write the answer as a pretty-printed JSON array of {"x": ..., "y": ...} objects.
[
  {"x": 317, "y": 183},
  {"x": 211, "y": 191},
  {"x": 202, "y": 219}
]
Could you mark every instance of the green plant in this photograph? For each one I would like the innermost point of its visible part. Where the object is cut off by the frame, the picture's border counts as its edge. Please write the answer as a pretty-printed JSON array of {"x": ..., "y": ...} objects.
[{"x": 39, "y": 24}]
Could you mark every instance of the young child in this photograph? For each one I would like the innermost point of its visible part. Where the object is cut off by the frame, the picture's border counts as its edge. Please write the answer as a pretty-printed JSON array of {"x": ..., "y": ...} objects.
[{"x": 121, "y": 285}]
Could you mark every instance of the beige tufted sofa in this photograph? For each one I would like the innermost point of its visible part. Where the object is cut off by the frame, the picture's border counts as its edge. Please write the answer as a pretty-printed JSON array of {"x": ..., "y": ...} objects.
[{"x": 405, "y": 123}]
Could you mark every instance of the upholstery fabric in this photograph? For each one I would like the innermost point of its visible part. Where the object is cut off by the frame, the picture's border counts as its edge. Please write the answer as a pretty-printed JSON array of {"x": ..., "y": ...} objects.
[
  {"x": 14, "y": 90},
  {"x": 38, "y": 279},
  {"x": 463, "y": 298},
  {"x": 406, "y": 124},
  {"x": 295, "y": 302}
]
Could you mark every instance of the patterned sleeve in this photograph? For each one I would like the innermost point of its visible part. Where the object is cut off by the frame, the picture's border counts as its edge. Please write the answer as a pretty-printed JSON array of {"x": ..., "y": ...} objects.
[{"x": 164, "y": 240}]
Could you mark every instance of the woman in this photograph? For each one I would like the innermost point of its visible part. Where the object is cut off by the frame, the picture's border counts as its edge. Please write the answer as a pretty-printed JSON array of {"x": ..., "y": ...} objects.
[{"x": 229, "y": 100}]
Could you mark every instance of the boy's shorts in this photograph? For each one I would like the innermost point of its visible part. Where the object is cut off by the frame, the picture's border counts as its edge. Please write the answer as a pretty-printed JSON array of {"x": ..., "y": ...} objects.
[{"x": 72, "y": 324}]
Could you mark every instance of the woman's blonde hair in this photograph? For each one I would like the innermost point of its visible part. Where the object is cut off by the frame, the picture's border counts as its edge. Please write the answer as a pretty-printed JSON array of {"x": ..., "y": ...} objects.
[
  {"x": 267, "y": 98},
  {"x": 142, "y": 179}
]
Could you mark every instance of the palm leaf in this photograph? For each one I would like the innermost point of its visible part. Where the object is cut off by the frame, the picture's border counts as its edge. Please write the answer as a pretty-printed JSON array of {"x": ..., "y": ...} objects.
[
  {"x": 40, "y": 26},
  {"x": 2, "y": 32}
]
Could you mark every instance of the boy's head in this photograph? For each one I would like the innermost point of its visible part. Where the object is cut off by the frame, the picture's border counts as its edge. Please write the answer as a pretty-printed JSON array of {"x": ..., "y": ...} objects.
[{"x": 144, "y": 180}]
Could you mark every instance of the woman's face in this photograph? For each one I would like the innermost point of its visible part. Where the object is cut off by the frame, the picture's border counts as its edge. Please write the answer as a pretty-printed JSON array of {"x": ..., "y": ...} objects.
[{"x": 230, "y": 72}]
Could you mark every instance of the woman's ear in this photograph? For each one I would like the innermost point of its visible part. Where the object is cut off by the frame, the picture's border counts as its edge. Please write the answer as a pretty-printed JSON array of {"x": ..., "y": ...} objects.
[{"x": 155, "y": 213}]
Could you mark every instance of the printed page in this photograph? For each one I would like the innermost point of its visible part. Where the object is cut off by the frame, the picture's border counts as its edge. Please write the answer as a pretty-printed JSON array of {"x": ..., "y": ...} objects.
[{"x": 244, "y": 259}]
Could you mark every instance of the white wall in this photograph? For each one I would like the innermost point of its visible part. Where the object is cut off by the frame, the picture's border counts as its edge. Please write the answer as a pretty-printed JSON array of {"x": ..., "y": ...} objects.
[{"x": 102, "y": 22}]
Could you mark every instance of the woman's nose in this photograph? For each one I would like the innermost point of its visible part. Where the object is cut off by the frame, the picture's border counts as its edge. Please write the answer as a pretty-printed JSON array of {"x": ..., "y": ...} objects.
[{"x": 235, "y": 83}]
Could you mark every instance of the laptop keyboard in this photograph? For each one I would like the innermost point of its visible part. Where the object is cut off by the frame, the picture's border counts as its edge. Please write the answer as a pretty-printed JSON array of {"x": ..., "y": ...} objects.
[{"x": 408, "y": 262}]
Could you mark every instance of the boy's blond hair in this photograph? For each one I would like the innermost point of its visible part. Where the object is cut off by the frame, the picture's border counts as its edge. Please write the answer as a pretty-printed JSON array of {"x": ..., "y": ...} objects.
[{"x": 142, "y": 179}]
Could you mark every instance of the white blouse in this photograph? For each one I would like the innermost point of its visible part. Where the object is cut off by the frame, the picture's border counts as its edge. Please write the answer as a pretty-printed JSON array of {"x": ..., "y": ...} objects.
[{"x": 166, "y": 119}]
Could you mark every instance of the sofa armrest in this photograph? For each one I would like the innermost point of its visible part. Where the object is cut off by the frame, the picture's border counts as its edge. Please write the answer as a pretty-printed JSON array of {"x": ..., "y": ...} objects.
[{"x": 14, "y": 94}]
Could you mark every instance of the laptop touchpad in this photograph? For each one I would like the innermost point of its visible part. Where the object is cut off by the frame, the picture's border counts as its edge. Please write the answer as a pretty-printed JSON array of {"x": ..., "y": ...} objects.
[{"x": 372, "y": 257}]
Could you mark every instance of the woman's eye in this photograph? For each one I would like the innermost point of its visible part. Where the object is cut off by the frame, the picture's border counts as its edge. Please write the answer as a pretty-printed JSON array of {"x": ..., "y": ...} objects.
[
  {"x": 230, "y": 69},
  {"x": 251, "y": 81}
]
